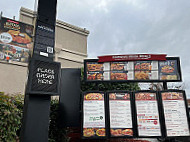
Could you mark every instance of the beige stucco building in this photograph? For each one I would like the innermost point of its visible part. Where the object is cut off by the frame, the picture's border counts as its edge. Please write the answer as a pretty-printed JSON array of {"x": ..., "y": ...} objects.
[{"x": 70, "y": 50}]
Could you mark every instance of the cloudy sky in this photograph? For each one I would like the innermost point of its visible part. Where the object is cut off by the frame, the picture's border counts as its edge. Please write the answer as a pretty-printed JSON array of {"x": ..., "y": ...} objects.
[{"x": 126, "y": 26}]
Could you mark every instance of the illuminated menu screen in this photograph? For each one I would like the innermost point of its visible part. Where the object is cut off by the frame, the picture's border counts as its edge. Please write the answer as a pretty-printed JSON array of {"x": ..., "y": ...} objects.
[
  {"x": 175, "y": 114},
  {"x": 94, "y": 115},
  {"x": 148, "y": 123},
  {"x": 133, "y": 71},
  {"x": 120, "y": 114}
]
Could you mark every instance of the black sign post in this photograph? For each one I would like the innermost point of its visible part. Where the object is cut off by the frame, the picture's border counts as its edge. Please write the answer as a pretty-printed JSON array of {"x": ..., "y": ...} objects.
[{"x": 43, "y": 78}]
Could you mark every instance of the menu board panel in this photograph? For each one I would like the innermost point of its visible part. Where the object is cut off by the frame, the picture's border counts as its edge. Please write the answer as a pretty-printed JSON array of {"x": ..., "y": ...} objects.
[
  {"x": 168, "y": 70},
  {"x": 144, "y": 71},
  {"x": 148, "y": 123},
  {"x": 120, "y": 114},
  {"x": 94, "y": 115},
  {"x": 175, "y": 114}
]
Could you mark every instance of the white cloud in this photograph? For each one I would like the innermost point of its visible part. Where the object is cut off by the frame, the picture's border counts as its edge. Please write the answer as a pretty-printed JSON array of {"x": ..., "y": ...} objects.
[{"x": 126, "y": 26}]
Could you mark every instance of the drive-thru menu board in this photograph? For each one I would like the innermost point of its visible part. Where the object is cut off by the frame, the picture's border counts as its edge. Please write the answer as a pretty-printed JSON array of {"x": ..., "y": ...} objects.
[
  {"x": 94, "y": 115},
  {"x": 120, "y": 114},
  {"x": 144, "y": 71},
  {"x": 148, "y": 123},
  {"x": 175, "y": 114}
]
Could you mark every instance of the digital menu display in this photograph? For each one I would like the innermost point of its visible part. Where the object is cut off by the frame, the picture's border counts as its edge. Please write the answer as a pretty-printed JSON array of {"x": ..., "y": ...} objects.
[
  {"x": 94, "y": 115},
  {"x": 168, "y": 70},
  {"x": 175, "y": 114},
  {"x": 148, "y": 123},
  {"x": 120, "y": 114}
]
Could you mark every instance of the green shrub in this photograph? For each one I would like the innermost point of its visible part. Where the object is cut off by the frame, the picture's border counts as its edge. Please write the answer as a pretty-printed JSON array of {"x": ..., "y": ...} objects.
[
  {"x": 10, "y": 117},
  {"x": 56, "y": 134},
  {"x": 11, "y": 111}
]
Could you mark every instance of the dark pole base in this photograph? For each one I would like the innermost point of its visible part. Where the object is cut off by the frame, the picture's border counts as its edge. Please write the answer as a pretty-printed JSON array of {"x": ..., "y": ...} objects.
[{"x": 36, "y": 118}]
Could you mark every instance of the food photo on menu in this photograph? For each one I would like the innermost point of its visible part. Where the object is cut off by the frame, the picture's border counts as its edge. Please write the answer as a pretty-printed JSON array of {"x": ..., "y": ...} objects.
[
  {"x": 148, "y": 122},
  {"x": 119, "y": 75},
  {"x": 168, "y": 70},
  {"x": 94, "y": 66},
  {"x": 94, "y": 71},
  {"x": 95, "y": 76},
  {"x": 120, "y": 115},
  {"x": 146, "y": 70},
  {"x": 118, "y": 66},
  {"x": 94, "y": 115},
  {"x": 142, "y": 75},
  {"x": 142, "y": 70},
  {"x": 94, "y": 132},
  {"x": 118, "y": 71},
  {"x": 143, "y": 65}
]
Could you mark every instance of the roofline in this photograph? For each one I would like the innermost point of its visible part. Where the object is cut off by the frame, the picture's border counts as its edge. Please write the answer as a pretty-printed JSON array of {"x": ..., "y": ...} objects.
[{"x": 60, "y": 23}]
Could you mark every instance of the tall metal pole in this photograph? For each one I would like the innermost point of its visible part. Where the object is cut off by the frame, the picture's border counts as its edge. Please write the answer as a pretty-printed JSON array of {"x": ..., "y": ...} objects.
[
  {"x": 37, "y": 97},
  {"x": 35, "y": 5},
  {"x": 165, "y": 86}
]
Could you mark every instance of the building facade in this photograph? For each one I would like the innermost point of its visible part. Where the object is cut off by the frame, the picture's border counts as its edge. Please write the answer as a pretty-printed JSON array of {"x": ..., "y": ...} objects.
[{"x": 70, "y": 51}]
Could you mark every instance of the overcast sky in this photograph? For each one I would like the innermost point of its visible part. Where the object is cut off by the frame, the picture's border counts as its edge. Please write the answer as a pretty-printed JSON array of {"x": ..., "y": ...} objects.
[{"x": 126, "y": 26}]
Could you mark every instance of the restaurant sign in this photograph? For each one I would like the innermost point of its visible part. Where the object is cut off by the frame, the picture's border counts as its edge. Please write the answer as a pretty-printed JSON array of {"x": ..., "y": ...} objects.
[
  {"x": 15, "y": 40},
  {"x": 132, "y": 57}
]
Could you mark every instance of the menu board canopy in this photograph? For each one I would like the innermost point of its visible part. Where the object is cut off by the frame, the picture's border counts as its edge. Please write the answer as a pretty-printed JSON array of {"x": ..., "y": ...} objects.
[
  {"x": 175, "y": 113},
  {"x": 94, "y": 115},
  {"x": 133, "y": 71}
]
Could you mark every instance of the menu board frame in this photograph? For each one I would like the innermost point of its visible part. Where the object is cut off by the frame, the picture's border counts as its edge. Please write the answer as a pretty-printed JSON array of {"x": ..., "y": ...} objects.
[
  {"x": 105, "y": 110},
  {"x": 132, "y": 114},
  {"x": 162, "y": 110},
  {"x": 150, "y": 80},
  {"x": 159, "y": 112}
]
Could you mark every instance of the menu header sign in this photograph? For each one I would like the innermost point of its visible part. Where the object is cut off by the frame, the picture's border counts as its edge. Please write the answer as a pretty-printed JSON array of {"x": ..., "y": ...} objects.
[
  {"x": 132, "y": 57},
  {"x": 15, "y": 40},
  {"x": 133, "y": 71},
  {"x": 44, "y": 77}
]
